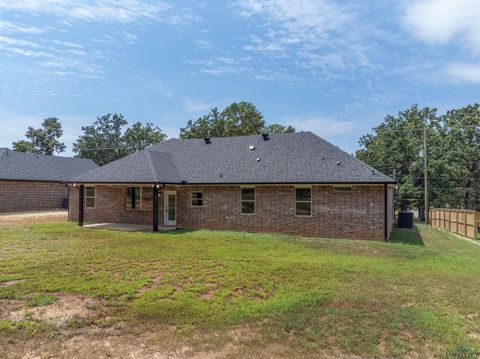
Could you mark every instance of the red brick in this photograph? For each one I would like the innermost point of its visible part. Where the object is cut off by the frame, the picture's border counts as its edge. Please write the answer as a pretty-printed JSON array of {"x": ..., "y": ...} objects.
[
  {"x": 18, "y": 196},
  {"x": 356, "y": 214}
]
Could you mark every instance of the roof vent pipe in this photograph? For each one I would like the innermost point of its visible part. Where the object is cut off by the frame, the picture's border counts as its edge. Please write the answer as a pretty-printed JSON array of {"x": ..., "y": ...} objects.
[
  {"x": 207, "y": 140},
  {"x": 265, "y": 136}
]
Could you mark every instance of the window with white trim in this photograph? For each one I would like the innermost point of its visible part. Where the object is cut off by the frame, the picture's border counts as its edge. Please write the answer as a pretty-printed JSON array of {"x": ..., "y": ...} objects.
[
  {"x": 247, "y": 200},
  {"x": 196, "y": 199},
  {"x": 139, "y": 198},
  {"x": 303, "y": 201},
  {"x": 89, "y": 197}
]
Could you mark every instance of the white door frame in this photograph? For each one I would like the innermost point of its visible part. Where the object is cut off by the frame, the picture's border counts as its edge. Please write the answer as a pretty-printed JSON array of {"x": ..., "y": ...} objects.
[{"x": 166, "y": 222}]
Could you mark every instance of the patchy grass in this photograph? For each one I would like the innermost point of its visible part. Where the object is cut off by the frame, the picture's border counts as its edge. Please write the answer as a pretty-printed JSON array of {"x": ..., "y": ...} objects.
[
  {"x": 417, "y": 295},
  {"x": 40, "y": 300}
]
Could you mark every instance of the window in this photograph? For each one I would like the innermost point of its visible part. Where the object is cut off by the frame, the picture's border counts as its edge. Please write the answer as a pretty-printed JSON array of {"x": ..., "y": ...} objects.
[
  {"x": 89, "y": 197},
  {"x": 196, "y": 199},
  {"x": 139, "y": 198},
  {"x": 343, "y": 189},
  {"x": 248, "y": 200},
  {"x": 303, "y": 201}
]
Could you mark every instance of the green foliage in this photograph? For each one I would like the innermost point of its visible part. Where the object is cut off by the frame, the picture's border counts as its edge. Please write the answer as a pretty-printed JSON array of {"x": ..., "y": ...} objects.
[
  {"x": 41, "y": 300},
  {"x": 44, "y": 140},
  {"x": 462, "y": 153},
  {"x": 237, "y": 119},
  {"x": 24, "y": 328},
  {"x": 139, "y": 136},
  {"x": 277, "y": 128},
  {"x": 23, "y": 146},
  {"x": 105, "y": 140},
  {"x": 453, "y": 156}
]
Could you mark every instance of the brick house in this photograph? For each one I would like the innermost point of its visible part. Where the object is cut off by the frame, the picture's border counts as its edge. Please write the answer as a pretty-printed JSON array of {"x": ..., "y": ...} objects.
[
  {"x": 31, "y": 182},
  {"x": 290, "y": 183}
]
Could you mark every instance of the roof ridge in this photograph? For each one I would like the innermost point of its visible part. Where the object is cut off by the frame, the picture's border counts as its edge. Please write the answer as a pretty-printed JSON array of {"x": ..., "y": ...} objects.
[
  {"x": 238, "y": 136},
  {"x": 152, "y": 166},
  {"x": 5, "y": 149}
]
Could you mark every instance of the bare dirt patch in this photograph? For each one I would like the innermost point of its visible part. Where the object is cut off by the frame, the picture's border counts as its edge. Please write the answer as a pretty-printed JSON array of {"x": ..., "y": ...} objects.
[
  {"x": 161, "y": 343},
  {"x": 154, "y": 283},
  {"x": 8, "y": 306},
  {"x": 11, "y": 282},
  {"x": 33, "y": 217},
  {"x": 67, "y": 307},
  {"x": 210, "y": 292}
]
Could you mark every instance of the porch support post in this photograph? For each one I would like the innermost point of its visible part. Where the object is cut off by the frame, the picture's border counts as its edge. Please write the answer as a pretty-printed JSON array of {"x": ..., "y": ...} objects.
[
  {"x": 155, "y": 208},
  {"x": 385, "y": 212},
  {"x": 81, "y": 198}
]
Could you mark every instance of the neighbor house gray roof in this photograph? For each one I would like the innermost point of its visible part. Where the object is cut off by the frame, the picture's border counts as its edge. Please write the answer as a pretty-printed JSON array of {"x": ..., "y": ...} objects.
[
  {"x": 31, "y": 167},
  {"x": 300, "y": 157}
]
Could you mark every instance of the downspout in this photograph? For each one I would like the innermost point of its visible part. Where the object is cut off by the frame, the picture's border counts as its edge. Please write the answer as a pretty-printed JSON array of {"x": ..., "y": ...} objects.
[
  {"x": 68, "y": 200},
  {"x": 81, "y": 196},
  {"x": 385, "y": 216},
  {"x": 155, "y": 208}
]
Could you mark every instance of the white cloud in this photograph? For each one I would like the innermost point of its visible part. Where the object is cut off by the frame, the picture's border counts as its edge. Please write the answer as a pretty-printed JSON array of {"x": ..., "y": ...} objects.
[
  {"x": 442, "y": 21},
  {"x": 196, "y": 107},
  {"x": 7, "y": 26},
  {"x": 204, "y": 44},
  {"x": 323, "y": 38},
  {"x": 301, "y": 21},
  {"x": 323, "y": 126},
  {"x": 464, "y": 71},
  {"x": 124, "y": 11},
  {"x": 17, "y": 42},
  {"x": 68, "y": 57}
]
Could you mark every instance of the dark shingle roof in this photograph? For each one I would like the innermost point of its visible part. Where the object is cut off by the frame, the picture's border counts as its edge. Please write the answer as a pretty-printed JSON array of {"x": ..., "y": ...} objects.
[
  {"x": 27, "y": 166},
  {"x": 300, "y": 157}
]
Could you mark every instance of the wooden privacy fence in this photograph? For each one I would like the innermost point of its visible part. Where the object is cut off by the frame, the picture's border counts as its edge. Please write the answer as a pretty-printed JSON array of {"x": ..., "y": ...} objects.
[{"x": 461, "y": 221}]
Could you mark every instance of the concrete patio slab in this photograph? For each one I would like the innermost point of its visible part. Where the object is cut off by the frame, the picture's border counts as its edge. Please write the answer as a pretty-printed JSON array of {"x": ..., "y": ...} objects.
[{"x": 127, "y": 227}]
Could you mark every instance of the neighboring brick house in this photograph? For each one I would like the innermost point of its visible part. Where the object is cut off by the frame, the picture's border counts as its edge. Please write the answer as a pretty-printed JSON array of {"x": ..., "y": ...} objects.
[
  {"x": 290, "y": 183},
  {"x": 31, "y": 182}
]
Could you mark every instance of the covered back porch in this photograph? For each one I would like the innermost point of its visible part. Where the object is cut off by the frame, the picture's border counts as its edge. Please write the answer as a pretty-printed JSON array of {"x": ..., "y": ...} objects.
[{"x": 136, "y": 207}]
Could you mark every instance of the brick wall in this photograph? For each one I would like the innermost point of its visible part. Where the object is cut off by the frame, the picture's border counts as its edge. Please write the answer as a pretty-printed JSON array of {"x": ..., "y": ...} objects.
[
  {"x": 357, "y": 214},
  {"x": 18, "y": 196},
  {"x": 110, "y": 207}
]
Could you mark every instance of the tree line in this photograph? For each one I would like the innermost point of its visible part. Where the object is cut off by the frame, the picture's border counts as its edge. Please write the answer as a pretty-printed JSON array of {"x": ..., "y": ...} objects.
[
  {"x": 395, "y": 147},
  {"x": 110, "y": 138}
]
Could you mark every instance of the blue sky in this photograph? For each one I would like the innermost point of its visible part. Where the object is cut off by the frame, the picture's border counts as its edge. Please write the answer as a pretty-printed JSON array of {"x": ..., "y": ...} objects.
[{"x": 336, "y": 68}]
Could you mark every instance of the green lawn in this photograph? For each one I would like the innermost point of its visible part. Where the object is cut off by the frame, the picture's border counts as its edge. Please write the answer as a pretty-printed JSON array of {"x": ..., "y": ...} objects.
[{"x": 418, "y": 295}]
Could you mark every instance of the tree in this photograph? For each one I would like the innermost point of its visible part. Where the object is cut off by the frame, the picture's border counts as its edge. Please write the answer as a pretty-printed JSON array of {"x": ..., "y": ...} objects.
[
  {"x": 397, "y": 145},
  {"x": 462, "y": 138},
  {"x": 23, "y": 146},
  {"x": 106, "y": 141},
  {"x": 139, "y": 137},
  {"x": 237, "y": 119},
  {"x": 210, "y": 125},
  {"x": 242, "y": 119},
  {"x": 44, "y": 140},
  {"x": 277, "y": 128},
  {"x": 453, "y": 142}
]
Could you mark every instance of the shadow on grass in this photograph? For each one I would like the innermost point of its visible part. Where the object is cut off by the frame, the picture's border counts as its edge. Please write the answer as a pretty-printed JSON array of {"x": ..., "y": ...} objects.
[
  {"x": 407, "y": 236},
  {"x": 174, "y": 231}
]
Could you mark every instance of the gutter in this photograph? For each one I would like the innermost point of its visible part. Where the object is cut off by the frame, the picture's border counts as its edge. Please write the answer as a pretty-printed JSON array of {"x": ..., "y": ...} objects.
[
  {"x": 385, "y": 214},
  {"x": 184, "y": 183}
]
